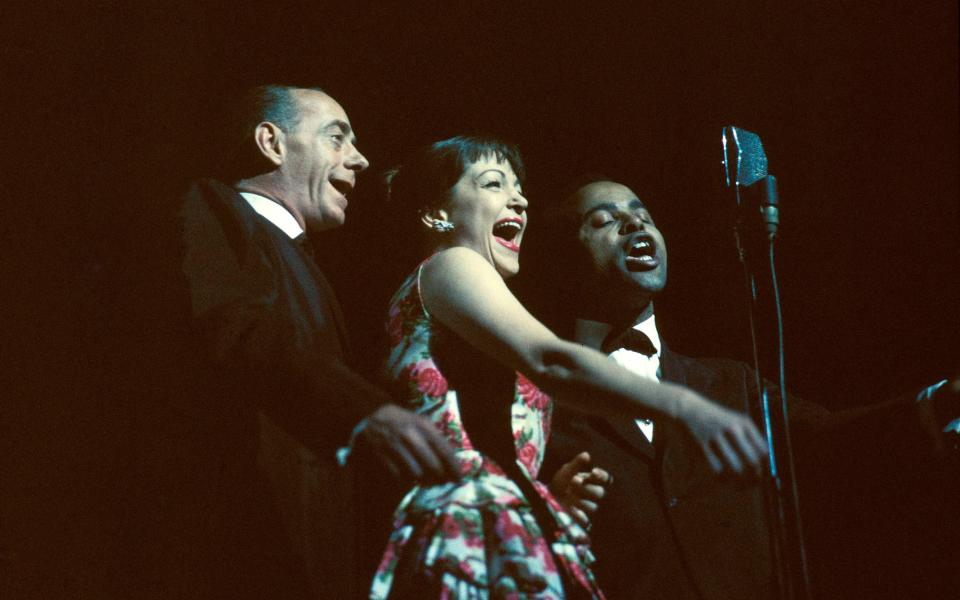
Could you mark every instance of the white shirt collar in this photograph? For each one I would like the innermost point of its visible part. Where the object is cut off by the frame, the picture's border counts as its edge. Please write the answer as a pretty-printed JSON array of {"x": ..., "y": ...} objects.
[
  {"x": 648, "y": 327},
  {"x": 647, "y": 367},
  {"x": 275, "y": 213}
]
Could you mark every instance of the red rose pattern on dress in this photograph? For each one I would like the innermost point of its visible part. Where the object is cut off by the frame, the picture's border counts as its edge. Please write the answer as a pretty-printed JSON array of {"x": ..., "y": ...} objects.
[
  {"x": 477, "y": 538},
  {"x": 431, "y": 383}
]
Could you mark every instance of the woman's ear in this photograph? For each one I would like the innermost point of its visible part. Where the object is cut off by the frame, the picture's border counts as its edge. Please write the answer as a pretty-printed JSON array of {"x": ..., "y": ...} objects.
[
  {"x": 270, "y": 141},
  {"x": 435, "y": 219}
]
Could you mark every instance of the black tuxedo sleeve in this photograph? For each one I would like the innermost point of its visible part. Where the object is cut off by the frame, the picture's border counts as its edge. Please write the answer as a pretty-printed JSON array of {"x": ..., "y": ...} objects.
[
  {"x": 877, "y": 495},
  {"x": 867, "y": 437},
  {"x": 262, "y": 348},
  {"x": 866, "y": 440}
]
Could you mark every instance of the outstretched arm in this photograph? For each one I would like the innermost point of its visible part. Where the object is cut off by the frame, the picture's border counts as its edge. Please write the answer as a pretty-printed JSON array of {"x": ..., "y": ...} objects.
[{"x": 465, "y": 292}]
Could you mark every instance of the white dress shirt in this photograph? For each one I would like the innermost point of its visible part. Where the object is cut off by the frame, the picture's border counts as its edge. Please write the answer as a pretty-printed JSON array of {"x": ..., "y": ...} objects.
[
  {"x": 275, "y": 213},
  {"x": 645, "y": 366}
]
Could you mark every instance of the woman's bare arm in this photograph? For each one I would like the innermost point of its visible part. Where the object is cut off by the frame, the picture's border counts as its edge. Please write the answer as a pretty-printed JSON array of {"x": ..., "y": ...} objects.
[{"x": 464, "y": 292}]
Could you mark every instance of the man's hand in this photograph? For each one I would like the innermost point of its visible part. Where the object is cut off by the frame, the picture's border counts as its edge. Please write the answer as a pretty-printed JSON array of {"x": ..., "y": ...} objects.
[
  {"x": 410, "y": 446},
  {"x": 579, "y": 489},
  {"x": 730, "y": 441},
  {"x": 943, "y": 402}
]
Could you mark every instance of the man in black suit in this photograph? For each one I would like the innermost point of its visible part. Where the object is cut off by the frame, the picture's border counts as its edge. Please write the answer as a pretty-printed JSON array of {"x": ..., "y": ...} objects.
[
  {"x": 665, "y": 528},
  {"x": 266, "y": 397}
]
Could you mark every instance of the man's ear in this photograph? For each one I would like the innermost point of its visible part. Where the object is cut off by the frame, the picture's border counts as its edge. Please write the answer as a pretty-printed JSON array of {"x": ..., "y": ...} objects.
[
  {"x": 429, "y": 216},
  {"x": 270, "y": 141}
]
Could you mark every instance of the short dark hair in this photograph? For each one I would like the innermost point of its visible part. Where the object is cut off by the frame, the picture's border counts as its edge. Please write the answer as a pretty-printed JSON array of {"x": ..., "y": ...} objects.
[
  {"x": 572, "y": 186},
  {"x": 274, "y": 103},
  {"x": 554, "y": 258},
  {"x": 558, "y": 216},
  {"x": 426, "y": 176},
  {"x": 423, "y": 181}
]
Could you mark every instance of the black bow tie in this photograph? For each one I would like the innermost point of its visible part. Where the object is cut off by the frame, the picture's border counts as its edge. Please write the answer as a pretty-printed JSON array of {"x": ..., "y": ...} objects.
[{"x": 631, "y": 339}]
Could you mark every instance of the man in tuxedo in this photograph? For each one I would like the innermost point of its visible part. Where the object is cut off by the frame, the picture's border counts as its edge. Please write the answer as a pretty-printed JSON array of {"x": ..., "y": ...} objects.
[
  {"x": 247, "y": 500},
  {"x": 664, "y": 527}
]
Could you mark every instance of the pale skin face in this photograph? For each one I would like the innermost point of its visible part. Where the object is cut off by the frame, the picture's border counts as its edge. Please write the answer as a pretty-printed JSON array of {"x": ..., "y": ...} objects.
[
  {"x": 317, "y": 162},
  {"x": 315, "y": 167},
  {"x": 488, "y": 212}
]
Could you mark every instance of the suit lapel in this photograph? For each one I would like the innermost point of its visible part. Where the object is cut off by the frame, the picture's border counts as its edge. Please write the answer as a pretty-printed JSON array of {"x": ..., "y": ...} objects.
[
  {"x": 627, "y": 430},
  {"x": 324, "y": 302},
  {"x": 334, "y": 306},
  {"x": 670, "y": 368},
  {"x": 688, "y": 470},
  {"x": 629, "y": 433}
]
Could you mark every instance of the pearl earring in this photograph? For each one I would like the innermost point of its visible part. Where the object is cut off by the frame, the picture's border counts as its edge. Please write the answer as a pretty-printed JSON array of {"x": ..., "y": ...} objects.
[{"x": 442, "y": 226}]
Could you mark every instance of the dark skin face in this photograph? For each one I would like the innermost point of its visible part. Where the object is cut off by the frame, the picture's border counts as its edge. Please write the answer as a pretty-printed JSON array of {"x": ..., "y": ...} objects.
[{"x": 625, "y": 253}]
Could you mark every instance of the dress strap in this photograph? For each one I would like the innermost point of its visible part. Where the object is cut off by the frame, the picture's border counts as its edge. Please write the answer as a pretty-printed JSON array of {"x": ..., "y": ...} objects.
[
  {"x": 423, "y": 306},
  {"x": 420, "y": 295}
]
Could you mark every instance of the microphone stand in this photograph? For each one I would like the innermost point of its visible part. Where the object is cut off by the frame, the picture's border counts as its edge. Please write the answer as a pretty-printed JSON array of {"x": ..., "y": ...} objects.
[{"x": 757, "y": 221}]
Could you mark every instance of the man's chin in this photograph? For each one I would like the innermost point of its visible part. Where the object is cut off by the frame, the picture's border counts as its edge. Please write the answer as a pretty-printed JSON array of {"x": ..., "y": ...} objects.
[
  {"x": 328, "y": 220},
  {"x": 647, "y": 282}
]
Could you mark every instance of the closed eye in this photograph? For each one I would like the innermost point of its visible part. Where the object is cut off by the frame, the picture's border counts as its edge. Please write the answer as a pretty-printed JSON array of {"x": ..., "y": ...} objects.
[{"x": 601, "y": 220}]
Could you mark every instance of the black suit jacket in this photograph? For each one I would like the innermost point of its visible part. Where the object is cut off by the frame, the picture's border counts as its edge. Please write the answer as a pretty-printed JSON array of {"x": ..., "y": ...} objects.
[
  {"x": 668, "y": 529},
  {"x": 252, "y": 351},
  {"x": 266, "y": 318}
]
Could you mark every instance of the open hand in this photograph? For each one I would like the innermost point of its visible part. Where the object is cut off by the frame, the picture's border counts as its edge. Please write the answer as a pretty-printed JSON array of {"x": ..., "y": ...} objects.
[
  {"x": 579, "y": 488},
  {"x": 730, "y": 441},
  {"x": 410, "y": 446}
]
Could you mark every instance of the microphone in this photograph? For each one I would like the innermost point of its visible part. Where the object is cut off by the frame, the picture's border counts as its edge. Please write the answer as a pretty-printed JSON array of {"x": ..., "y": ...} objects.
[
  {"x": 769, "y": 209},
  {"x": 745, "y": 164}
]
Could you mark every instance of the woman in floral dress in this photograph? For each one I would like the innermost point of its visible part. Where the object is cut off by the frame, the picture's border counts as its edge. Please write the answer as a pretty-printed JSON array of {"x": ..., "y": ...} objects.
[{"x": 466, "y": 354}]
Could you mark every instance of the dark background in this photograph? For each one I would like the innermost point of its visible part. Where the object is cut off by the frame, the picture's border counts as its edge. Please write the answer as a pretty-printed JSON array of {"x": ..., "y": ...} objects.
[{"x": 856, "y": 102}]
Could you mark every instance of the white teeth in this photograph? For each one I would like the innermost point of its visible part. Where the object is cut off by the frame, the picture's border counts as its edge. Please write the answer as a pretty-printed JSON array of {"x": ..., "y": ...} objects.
[{"x": 507, "y": 228}]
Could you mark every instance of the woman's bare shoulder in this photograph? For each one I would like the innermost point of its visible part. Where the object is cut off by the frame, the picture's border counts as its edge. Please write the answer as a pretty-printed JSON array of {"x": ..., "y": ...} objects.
[{"x": 458, "y": 262}]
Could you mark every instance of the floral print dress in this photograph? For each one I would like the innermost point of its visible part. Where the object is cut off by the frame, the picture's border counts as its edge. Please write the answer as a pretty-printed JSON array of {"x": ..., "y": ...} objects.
[{"x": 482, "y": 537}]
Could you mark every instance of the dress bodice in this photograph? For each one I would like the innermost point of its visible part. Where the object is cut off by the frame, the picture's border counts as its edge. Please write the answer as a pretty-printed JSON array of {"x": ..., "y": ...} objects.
[{"x": 441, "y": 376}]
